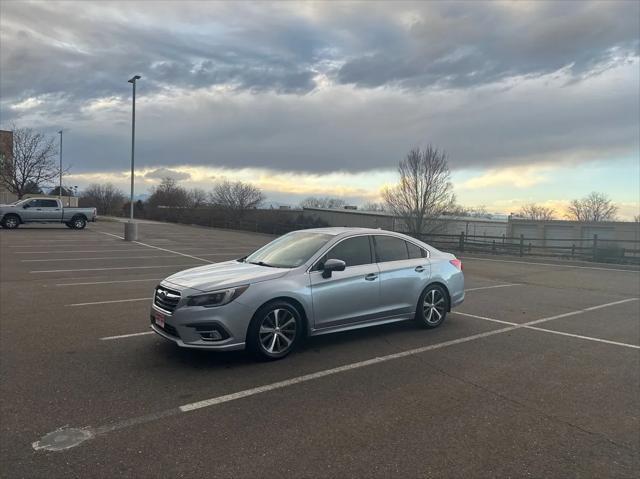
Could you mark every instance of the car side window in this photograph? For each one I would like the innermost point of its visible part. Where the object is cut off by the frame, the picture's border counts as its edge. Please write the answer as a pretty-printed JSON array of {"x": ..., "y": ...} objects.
[
  {"x": 353, "y": 251},
  {"x": 390, "y": 248},
  {"x": 48, "y": 204},
  {"x": 414, "y": 251},
  {"x": 34, "y": 203}
]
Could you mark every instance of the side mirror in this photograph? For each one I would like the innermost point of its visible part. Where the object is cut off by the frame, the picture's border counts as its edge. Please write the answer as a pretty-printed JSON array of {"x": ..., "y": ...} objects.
[
  {"x": 332, "y": 265},
  {"x": 26, "y": 206}
]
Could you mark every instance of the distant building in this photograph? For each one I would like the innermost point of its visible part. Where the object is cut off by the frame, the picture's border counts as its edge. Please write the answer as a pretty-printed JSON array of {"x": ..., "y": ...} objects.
[
  {"x": 6, "y": 160},
  {"x": 452, "y": 225}
]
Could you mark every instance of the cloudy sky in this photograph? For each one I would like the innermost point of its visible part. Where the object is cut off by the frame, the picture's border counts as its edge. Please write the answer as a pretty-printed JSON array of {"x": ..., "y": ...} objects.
[{"x": 532, "y": 101}]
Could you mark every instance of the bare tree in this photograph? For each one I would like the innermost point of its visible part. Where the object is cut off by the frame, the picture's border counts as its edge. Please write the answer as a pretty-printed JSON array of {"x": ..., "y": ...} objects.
[
  {"x": 424, "y": 192},
  {"x": 236, "y": 196},
  {"x": 33, "y": 163},
  {"x": 636, "y": 218},
  {"x": 66, "y": 191},
  {"x": 169, "y": 193},
  {"x": 373, "y": 206},
  {"x": 473, "y": 211},
  {"x": 107, "y": 198},
  {"x": 531, "y": 211},
  {"x": 593, "y": 207},
  {"x": 198, "y": 198},
  {"x": 322, "y": 202}
]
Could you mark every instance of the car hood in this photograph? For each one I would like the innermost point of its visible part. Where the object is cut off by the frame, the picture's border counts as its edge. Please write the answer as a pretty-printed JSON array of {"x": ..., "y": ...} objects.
[{"x": 224, "y": 275}]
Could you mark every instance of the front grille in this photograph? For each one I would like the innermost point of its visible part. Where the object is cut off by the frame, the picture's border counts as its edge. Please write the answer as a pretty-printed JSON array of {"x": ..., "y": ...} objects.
[{"x": 166, "y": 299}]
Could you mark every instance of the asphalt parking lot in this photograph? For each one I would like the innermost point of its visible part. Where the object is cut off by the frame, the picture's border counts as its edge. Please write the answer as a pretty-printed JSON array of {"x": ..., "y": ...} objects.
[{"x": 535, "y": 375}]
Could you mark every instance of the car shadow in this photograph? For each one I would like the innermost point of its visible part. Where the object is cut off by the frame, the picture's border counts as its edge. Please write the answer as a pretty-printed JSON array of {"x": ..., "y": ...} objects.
[{"x": 211, "y": 360}]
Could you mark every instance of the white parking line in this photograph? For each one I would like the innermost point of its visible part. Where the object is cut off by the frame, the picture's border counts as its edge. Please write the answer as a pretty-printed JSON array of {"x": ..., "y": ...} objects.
[
  {"x": 107, "y": 338},
  {"x": 92, "y": 432},
  {"x": 109, "y": 302},
  {"x": 158, "y": 248},
  {"x": 492, "y": 287},
  {"x": 465, "y": 258},
  {"x": 136, "y": 250},
  {"x": 111, "y": 269},
  {"x": 91, "y": 259},
  {"x": 109, "y": 282},
  {"x": 561, "y": 333}
]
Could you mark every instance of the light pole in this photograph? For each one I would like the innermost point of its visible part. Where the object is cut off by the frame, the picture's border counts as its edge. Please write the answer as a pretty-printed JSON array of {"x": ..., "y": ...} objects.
[
  {"x": 60, "y": 186},
  {"x": 131, "y": 228}
]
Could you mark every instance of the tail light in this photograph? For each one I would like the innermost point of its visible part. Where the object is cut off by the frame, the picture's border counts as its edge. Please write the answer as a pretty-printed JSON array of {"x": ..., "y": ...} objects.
[{"x": 457, "y": 263}]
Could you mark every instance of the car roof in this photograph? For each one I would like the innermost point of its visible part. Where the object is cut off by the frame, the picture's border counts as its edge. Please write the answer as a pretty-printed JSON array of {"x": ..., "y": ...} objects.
[{"x": 345, "y": 230}]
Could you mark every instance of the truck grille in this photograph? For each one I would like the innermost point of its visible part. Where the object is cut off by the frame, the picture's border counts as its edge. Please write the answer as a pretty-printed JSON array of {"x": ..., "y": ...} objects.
[{"x": 166, "y": 299}]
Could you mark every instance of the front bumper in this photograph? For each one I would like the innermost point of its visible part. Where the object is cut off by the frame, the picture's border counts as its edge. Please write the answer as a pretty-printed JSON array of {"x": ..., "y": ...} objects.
[{"x": 192, "y": 327}]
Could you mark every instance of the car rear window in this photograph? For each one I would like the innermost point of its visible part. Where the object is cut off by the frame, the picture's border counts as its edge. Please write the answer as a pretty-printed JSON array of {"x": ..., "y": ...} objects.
[
  {"x": 414, "y": 251},
  {"x": 389, "y": 248}
]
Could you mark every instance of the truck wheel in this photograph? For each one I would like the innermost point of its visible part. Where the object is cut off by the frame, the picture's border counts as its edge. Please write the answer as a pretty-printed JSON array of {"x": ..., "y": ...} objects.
[
  {"x": 78, "y": 222},
  {"x": 11, "y": 222},
  {"x": 69, "y": 225}
]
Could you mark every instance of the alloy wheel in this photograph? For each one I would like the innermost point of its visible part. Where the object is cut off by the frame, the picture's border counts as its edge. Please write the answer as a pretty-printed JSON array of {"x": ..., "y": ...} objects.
[
  {"x": 434, "y": 306},
  {"x": 11, "y": 222},
  {"x": 277, "y": 331}
]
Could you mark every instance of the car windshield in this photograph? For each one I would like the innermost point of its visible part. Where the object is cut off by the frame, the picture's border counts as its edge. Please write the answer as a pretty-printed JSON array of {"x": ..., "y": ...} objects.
[{"x": 289, "y": 251}]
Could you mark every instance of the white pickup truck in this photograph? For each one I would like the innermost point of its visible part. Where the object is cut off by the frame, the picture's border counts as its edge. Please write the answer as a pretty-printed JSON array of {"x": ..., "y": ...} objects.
[{"x": 44, "y": 210}]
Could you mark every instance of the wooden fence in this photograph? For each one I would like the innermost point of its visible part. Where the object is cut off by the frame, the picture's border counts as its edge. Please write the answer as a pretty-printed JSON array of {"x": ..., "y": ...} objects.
[{"x": 583, "y": 249}]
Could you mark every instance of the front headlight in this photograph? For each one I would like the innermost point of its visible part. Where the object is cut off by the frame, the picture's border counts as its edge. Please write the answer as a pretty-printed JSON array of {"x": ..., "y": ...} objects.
[{"x": 216, "y": 298}]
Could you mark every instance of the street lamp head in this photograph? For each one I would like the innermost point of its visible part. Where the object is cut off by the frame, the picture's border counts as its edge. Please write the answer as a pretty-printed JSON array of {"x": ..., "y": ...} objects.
[{"x": 133, "y": 80}]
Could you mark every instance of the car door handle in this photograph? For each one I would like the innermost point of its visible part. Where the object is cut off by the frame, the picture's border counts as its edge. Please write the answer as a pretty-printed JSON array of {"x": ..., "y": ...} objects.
[
  {"x": 371, "y": 277},
  {"x": 419, "y": 269}
]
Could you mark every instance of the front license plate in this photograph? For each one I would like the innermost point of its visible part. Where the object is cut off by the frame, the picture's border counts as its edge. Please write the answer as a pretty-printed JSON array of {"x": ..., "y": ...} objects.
[{"x": 159, "y": 319}]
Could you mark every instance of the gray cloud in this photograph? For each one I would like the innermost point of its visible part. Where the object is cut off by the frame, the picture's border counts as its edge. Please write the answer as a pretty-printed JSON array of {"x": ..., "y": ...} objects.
[
  {"x": 162, "y": 173},
  {"x": 399, "y": 74}
]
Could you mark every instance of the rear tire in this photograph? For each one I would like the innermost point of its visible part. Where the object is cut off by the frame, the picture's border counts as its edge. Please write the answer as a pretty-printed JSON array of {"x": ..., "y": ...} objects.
[
  {"x": 69, "y": 225},
  {"x": 275, "y": 330},
  {"x": 78, "y": 222},
  {"x": 432, "y": 306},
  {"x": 11, "y": 222}
]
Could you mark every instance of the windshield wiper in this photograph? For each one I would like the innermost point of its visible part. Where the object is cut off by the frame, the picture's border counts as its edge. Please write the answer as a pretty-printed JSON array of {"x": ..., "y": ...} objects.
[{"x": 262, "y": 263}]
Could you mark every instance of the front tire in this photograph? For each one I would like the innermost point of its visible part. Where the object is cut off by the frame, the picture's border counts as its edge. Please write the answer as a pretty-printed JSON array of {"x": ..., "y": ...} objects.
[
  {"x": 275, "y": 330},
  {"x": 432, "y": 306},
  {"x": 10, "y": 222}
]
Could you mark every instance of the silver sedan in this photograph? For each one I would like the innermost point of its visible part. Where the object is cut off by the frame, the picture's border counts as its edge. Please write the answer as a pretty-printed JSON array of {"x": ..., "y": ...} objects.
[{"x": 307, "y": 283}]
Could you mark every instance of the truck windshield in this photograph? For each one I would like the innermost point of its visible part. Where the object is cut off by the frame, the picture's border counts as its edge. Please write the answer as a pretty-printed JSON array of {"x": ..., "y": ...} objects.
[{"x": 289, "y": 251}]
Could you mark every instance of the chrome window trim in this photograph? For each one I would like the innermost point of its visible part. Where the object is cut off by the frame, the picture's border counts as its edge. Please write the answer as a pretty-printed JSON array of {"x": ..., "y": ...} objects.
[{"x": 371, "y": 240}]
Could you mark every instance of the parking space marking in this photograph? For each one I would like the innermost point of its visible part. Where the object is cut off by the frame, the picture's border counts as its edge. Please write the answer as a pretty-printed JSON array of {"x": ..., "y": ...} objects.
[
  {"x": 92, "y": 259},
  {"x": 492, "y": 287},
  {"x": 158, "y": 248},
  {"x": 549, "y": 264},
  {"x": 78, "y": 251},
  {"x": 87, "y": 283},
  {"x": 101, "y": 430},
  {"x": 111, "y": 269},
  {"x": 121, "y": 336},
  {"x": 109, "y": 302},
  {"x": 552, "y": 331}
]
